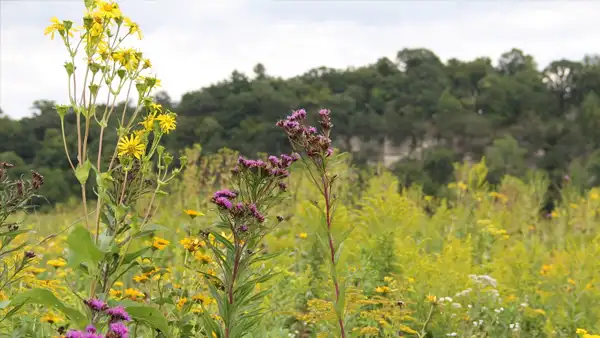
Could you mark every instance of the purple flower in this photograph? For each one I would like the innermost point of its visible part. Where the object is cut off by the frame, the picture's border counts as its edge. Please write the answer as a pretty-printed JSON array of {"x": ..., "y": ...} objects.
[
  {"x": 329, "y": 152},
  {"x": 282, "y": 186},
  {"x": 274, "y": 160},
  {"x": 299, "y": 114},
  {"x": 243, "y": 228},
  {"x": 119, "y": 329},
  {"x": 223, "y": 202},
  {"x": 324, "y": 112},
  {"x": 254, "y": 211},
  {"x": 90, "y": 329},
  {"x": 225, "y": 193},
  {"x": 96, "y": 304},
  {"x": 567, "y": 178},
  {"x": 75, "y": 334},
  {"x": 118, "y": 313},
  {"x": 311, "y": 130}
]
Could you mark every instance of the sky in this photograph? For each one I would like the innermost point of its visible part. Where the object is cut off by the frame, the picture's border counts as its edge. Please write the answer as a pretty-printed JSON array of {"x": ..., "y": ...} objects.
[{"x": 194, "y": 43}]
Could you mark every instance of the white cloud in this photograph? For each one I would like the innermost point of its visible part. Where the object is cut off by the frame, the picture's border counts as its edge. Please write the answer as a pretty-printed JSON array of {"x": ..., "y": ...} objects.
[{"x": 195, "y": 43}]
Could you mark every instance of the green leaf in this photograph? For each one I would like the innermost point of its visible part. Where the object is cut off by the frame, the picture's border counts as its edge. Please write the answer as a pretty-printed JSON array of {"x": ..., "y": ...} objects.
[
  {"x": 149, "y": 315},
  {"x": 131, "y": 256},
  {"x": 83, "y": 172},
  {"x": 340, "y": 305},
  {"x": 83, "y": 248},
  {"x": 47, "y": 298}
]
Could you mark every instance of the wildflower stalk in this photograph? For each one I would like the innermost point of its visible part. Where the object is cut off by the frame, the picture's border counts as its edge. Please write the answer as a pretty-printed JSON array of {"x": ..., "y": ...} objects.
[
  {"x": 315, "y": 147},
  {"x": 243, "y": 212}
]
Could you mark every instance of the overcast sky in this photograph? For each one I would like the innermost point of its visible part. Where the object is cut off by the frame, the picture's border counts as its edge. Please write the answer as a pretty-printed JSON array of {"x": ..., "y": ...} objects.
[{"x": 193, "y": 43}]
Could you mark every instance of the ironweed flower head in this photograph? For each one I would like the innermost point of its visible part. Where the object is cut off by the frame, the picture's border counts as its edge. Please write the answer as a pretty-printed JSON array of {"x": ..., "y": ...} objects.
[
  {"x": 223, "y": 202},
  {"x": 117, "y": 330},
  {"x": 307, "y": 138},
  {"x": 96, "y": 305},
  {"x": 118, "y": 313}
]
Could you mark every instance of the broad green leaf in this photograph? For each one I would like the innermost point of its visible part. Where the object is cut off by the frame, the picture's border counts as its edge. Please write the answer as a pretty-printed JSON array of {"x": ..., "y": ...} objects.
[
  {"x": 83, "y": 172},
  {"x": 149, "y": 315},
  {"x": 82, "y": 248},
  {"x": 47, "y": 298}
]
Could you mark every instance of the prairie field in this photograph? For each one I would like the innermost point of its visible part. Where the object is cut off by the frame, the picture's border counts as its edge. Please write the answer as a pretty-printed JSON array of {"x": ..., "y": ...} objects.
[
  {"x": 433, "y": 199},
  {"x": 483, "y": 263}
]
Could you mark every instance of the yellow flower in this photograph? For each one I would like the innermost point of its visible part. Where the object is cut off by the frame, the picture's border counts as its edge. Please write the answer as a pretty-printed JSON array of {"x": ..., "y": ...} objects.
[
  {"x": 407, "y": 329},
  {"x": 131, "y": 145},
  {"x": 303, "y": 235},
  {"x": 181, "y": 302},
  {"x": 160, "y": 243},
  {"x": 133, "y": 27},
  {"x": 148, "y": 122},
  {"x": 147, "y": 63},
  {"x": 388, "y": 279},
  {"x": 133, "y": 294},
  {"x": 193, "y": 213},
  {"x": 202, "y": 299},
  {"x": 97, "y": 28},
  {"x": 462, "y": 186},
  {"x": 431, "y": 299},
  {"x": 581, "y": 331},
  {"x": 57, "y": 263},
  {"x": 108, "y": 9},
  {"x": 191, "y": 245},
  {"x": 51, "y": 318},
  {"x": 204, "y": 259},
  {"x": 594, "y": 195},
  {"x": 369, "y": 331},
  {"x": 118, "y": 284},
  {"x": 167, "y": 122},
  {"x": 128, "y": 58},
  {"x": 382, "y": 289},
  {"x": 571, "y": 281},
  {"x": 115, "y": 293},
  {"x": 140, "y": 278},
  {"x": 55, "y": 26}
]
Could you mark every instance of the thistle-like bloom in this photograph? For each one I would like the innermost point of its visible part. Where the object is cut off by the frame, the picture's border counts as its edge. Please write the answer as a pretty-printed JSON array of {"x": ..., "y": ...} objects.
[
  {"x": 96, "y": 304},
  {"x": 131, "y": 146},
  {"x": 223, "y": 202},
  {"x": 225, "y": 193},
  {"x": 118, "y": 313},
  {"x": 118, "y": 330}
]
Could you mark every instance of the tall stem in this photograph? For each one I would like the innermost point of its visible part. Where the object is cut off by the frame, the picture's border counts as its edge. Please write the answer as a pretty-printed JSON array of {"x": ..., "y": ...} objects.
[{"x": 328, "y": 205}]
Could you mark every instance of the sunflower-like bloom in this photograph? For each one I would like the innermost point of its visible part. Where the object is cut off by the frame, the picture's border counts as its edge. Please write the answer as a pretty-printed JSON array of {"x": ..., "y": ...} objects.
[
  {"x": 132, "y": 146},
  {"x": 167, "y": 122},
  {"x": 56, "y": 26}
]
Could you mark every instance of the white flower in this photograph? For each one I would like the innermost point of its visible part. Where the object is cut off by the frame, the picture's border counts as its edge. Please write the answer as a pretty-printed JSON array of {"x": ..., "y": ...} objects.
[
  {"x": 523, "y": 304},
  {"x": 463, "y": 293},
  {"x": 456, "y": 305},
  {"x": 470, "y": 306},
  {"x": 453, "y": 334}
]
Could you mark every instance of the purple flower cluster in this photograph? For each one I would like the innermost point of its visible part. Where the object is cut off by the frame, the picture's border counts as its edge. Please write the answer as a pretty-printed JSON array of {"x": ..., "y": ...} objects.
[
  {"x": 274, "y": 167},
  {"x": 117, "y": 329},
  {"x": 96, "y": 305},
  {"x": 90, "y": 332},
  {"x": 308, "y": 138}
]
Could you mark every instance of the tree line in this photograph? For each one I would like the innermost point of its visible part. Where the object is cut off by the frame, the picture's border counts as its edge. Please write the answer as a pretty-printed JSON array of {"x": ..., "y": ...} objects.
[{"x": 519, "y": 117}]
